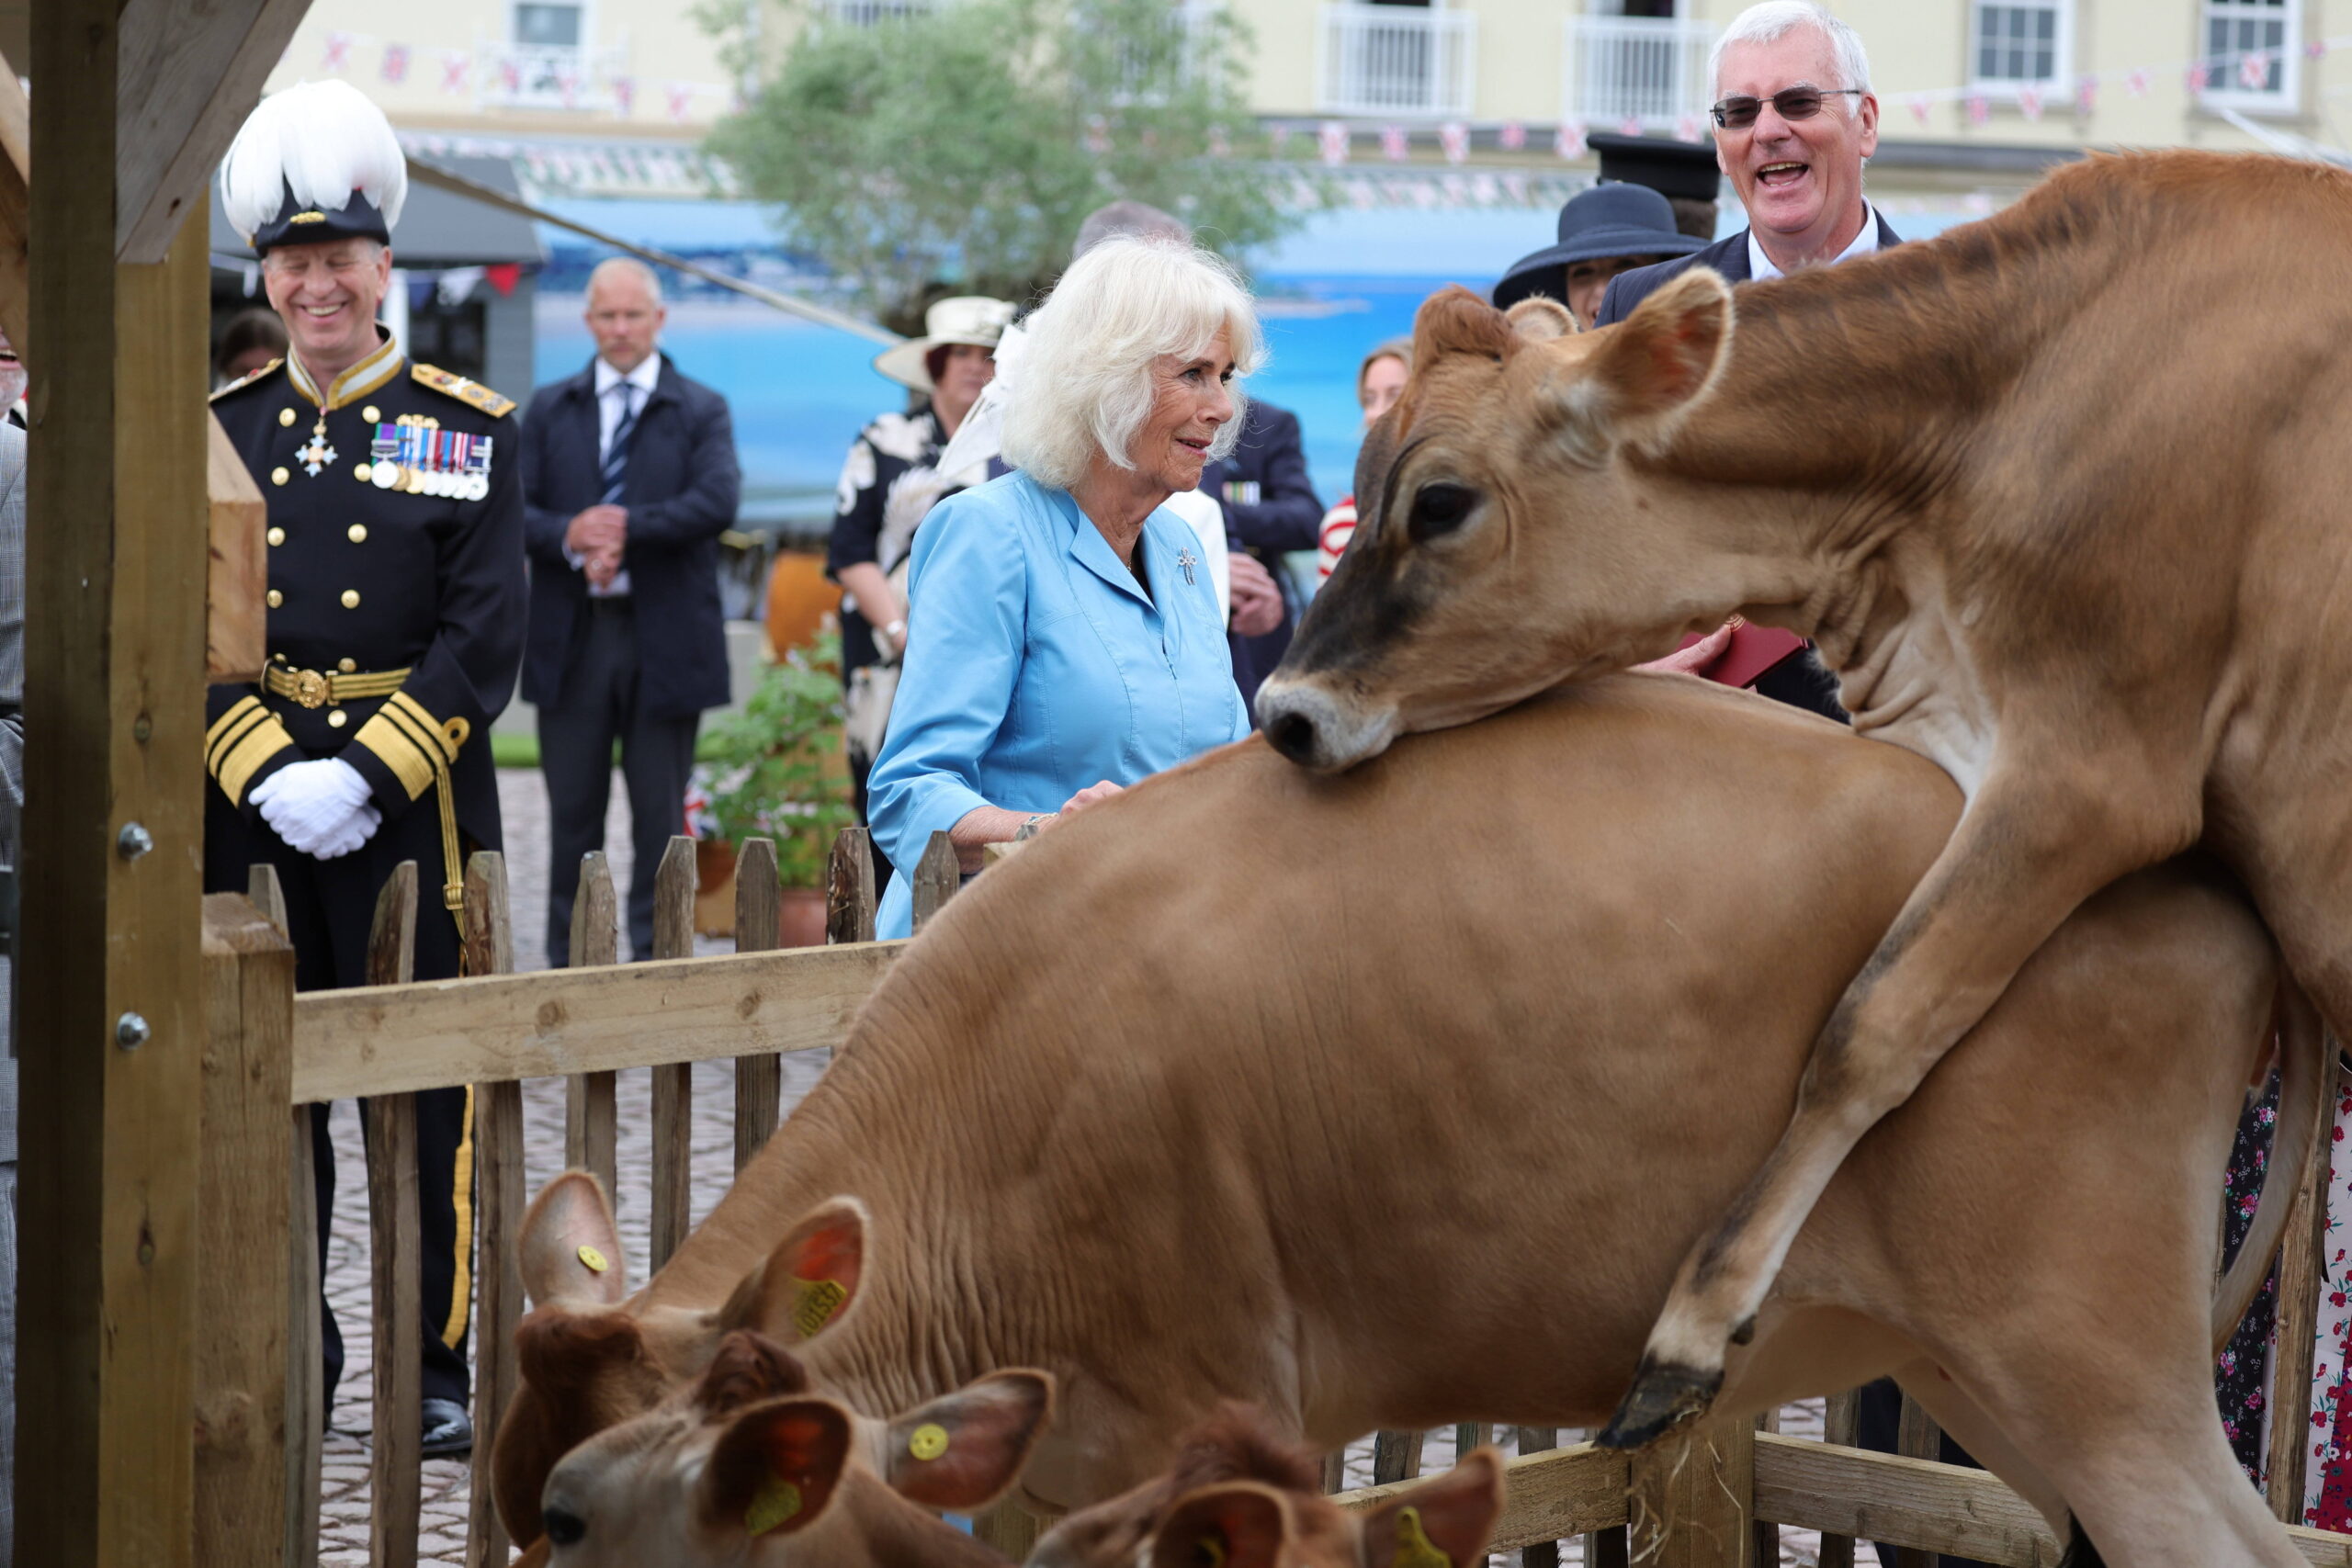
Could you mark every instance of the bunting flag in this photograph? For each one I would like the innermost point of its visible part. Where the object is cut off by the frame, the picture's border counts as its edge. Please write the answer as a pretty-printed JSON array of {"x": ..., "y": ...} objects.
[
  {"x": 1392, "y": 143},
  {"x": 2029, "y": 103},
  {"x": 682, "y": 98},
  {"x": 2136, "y": 84},
  {"x": 624, "y": 95},
  {"x": 510, "y": 74},
  {"x": 395, "y": 66},
  {"x": 1453, "y": 139},
  {"x": 1568, "y": 140},
  {"x": 2316, "y": 50},
  {"x": 1919, "y": 109},
  {"x": 338, "y": 53},
  {"x": 1511, "y": 137},
  {"x": 1689, "y": 129},
  {"x": 2253, "y": 70},
  {"x": 1331, "y": 139},
  {"x": 1980, "y": 108},
  {"x": 455, "y": 65},
  {"x": 1630, "y": 126},
  {"x": 2200, "y": 76},
  {"x": 2086, "y": 95}
]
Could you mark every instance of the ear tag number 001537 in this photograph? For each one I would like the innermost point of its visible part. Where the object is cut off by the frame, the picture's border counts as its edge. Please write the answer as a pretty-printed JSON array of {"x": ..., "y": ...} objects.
[
  {"x": 776, "y": 1504},
  {"x": 814, "y": 1302}
]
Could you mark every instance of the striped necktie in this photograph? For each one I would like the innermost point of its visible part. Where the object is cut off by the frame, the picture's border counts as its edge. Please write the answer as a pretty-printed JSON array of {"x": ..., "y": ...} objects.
[{"x": 616, "y": 472}]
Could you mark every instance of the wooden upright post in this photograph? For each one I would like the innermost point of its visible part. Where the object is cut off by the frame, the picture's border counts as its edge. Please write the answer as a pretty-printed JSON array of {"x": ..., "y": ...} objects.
[
  {"x": 113, "y": 1023},
  {"x": 674, "y": 1085},
  {"x": 759, "y": 1080},
  {"x": 498, "y": 1180},
  {"x": 1691, "y": 1497}
]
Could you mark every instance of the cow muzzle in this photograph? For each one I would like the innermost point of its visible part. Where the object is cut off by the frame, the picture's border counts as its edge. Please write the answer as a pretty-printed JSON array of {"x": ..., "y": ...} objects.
[{"x": 1316, "y": 728}]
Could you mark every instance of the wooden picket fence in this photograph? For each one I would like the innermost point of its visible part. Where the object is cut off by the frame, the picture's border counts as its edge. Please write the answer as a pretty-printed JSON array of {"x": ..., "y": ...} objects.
[{"x": 1715, "y": 1497}]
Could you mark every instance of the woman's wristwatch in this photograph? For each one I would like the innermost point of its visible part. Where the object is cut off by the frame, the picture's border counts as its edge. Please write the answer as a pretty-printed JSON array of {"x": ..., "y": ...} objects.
[{"x": 896, "y": 632}]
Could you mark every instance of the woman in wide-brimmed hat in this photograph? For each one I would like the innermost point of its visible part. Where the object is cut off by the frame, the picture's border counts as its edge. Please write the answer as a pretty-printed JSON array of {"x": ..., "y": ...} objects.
[
  {"x": 888, "y": 487},
  {"x": 1603, "y": 232}
]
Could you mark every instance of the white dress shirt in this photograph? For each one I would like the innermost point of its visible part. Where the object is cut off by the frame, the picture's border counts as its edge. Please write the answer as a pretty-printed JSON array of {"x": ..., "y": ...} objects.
[
  {"x": 1760, "y": 265},
  {"x": 610, "y": 405}
]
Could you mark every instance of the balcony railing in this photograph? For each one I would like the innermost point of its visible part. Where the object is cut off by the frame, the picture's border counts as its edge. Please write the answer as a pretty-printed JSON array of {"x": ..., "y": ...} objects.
[
  {"x": 1620, "y": 70},
  {"x": 870, "y": 12},
  {"x": 1395, "y": 59},
  {"x": 548, "y": 76}
]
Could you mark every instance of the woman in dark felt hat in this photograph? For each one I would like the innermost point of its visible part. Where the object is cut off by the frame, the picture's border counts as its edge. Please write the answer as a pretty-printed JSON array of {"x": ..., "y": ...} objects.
[{"x": 1603, "y": 232}]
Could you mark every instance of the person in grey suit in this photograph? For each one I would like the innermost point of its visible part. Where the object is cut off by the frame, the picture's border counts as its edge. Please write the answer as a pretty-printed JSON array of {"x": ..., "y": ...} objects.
[{"x": 1795, "y": 118}]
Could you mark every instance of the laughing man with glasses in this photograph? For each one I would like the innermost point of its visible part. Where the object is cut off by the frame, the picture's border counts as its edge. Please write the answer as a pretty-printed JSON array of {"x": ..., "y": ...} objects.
[{"x": 1793, "y": 118}]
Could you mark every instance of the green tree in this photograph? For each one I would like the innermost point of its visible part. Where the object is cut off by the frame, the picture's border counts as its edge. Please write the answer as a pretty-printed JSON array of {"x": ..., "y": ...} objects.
[{"x": 955, "y": 150}]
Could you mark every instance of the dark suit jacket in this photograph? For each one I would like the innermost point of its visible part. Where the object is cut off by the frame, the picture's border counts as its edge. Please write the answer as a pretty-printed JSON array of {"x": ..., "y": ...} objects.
[
  {"x": 1729, "y": 257},
  {"x": 681, "y": 491},
  {"x": 1800, "y": 681},
  {"x": 1284, "y": 517}
]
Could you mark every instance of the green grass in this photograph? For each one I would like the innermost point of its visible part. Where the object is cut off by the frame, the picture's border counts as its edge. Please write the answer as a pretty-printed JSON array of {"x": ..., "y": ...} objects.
[{"x": 522, "y": 751}]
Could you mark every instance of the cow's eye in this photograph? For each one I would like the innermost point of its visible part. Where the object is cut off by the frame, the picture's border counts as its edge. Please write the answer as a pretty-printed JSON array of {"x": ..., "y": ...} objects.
[
  {"x": 1440, "y": 509},
  {"x": 564, "y": 1528}
]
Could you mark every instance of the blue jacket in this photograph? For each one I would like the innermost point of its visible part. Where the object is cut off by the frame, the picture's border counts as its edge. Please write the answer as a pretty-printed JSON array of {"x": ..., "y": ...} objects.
[
  {"x": 1729, "y": 257},
  {"x": 681, "y": 493},
  {"x": 1037, "y": 665}
]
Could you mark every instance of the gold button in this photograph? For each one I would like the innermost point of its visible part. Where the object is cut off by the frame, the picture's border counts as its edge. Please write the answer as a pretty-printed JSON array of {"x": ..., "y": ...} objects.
[
  {"x": 370, "y": 414},
  {"x": 275, "y": 598},
  {"x": 277, "y": 476},
  {"x": 337, "y": 718},
  {"x": 351, "y": 598},
  {"x": 285, "y": 416},
  {"x": 356, "y": 533},
  {"x": 278, "y": 536},
  {"x": 363, "y": 473},
  {"x": 348, "y": 666}
]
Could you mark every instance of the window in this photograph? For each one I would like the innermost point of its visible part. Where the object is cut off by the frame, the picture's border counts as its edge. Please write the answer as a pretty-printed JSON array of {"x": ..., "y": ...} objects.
[
  {"x": 547, "y": 26},
  {"x": 2020, "y": 45},
  {"x": 2251, "y": 53}
]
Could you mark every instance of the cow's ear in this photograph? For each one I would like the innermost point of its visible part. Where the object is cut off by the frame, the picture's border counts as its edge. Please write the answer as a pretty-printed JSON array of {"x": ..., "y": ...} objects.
[
  {"x": 1240, "y": 1524},
  {"x": 1646, "y": 372},
  {"x": 964, "y": 1451},
  {"x": 809, "y": 1282},
  {"x": 1454, "y": 320},
  {"x": 572, "y": 1249},
  {"x": 775, "y": 1467},
  {"x": 747, "y": 1367},
  {"x": 1538, "y": 320},
  {"x": 1448, "y": 1520}
]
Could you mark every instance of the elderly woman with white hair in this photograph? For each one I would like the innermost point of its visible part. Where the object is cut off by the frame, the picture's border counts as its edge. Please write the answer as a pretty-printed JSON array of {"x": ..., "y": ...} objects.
[{"x": 1063, "y": 638}]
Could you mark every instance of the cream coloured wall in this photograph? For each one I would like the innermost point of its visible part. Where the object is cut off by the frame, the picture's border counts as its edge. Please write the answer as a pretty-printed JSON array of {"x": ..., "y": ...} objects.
[{"x": 676, "y": 81}]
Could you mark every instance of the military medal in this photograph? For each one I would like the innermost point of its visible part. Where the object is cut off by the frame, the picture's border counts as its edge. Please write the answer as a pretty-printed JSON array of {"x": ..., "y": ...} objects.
[
  {"x": 315, "y": 458},
  {"x": 384, "y": 453}
]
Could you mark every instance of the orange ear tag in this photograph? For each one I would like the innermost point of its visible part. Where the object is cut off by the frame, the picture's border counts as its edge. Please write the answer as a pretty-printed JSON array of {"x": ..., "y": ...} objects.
[
  {"x": 594, "y": 1259},
  {"x": 1414, "y": 1549},
  {"x": 928, "y": 1441},
  {"x": 814, "y": 1302},
  {"x": 777, "y": 1503}
]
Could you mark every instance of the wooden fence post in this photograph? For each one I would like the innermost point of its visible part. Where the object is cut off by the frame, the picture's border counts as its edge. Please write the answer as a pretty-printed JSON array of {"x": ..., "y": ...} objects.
[
  {"x": 1536, "y": 1440},
  {"x": 1765, "y": 1551},
  {"x": 759, "y": 920},
  {"x": 936, "y": 879},
  {"x": 1396, "y": 1456},
  {"x": 674, "y": 1085},
  {"x": 590, "y": 1102},
  {"x": 1916, "y": 1436},
  {"x": 241, "y": 1305},
  {"x": 1691, "y": 1496},
  {"x": 395, "y": 1255},
  {"x": 849, "y": 897},
  {"x": 498, "y": 1216},
  {"x": 1840, "y": 1421},
  {"x": 2303, "y": 1274}
]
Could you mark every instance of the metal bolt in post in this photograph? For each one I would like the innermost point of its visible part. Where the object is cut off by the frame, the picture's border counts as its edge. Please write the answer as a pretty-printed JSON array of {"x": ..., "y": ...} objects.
[
  {"x": 133, "y": 840},
  {"x": 131, "y": 1031}
]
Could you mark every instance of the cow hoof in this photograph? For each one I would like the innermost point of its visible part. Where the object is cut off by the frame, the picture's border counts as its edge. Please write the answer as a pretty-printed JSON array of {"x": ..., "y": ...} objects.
[{"x": 1664, "y": 1395}]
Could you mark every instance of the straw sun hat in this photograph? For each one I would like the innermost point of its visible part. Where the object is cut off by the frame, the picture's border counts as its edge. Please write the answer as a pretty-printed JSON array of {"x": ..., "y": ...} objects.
[{"x": 966, "y": 318}]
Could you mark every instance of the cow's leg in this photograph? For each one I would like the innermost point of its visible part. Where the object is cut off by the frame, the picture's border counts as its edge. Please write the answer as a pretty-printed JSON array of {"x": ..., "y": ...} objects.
[
  {"x": 1973, "y": 1429},
  {"x": 2028, "y": 850}
]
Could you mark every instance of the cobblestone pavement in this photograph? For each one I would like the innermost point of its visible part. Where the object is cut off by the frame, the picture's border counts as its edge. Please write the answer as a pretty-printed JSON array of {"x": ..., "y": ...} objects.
[{"x": 345, "y": 1502}]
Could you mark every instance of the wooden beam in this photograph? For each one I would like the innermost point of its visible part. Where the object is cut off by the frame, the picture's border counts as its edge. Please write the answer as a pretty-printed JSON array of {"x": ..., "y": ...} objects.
[
  {"x": 16, "y": 212},
  {"x": 236, "y": 621},
  {"x": 1547, "y": 1496},
  {"x": 191, "y": 71},
  {"x": 1691, "y": 1496},
  {"x": 553, "y": 1022},
  {"x": 112, "y": 1031}
]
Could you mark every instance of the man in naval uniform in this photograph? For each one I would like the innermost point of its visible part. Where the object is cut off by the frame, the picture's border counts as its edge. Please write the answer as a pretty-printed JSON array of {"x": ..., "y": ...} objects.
[{"x": 395, "y": 629}]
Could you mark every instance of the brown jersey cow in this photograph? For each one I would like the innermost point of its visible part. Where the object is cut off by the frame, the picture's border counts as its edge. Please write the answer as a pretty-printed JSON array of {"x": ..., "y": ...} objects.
[
  {"x": 1391, "y": 1098},
  {"x": 2061, "y": 495}
]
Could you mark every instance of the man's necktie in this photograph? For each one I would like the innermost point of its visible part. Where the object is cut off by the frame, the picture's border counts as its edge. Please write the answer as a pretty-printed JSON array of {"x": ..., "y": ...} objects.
[{"x": 616, "y": 455}]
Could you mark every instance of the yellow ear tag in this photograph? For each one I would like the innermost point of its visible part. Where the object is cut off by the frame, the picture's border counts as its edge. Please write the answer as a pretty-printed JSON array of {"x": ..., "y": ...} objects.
[
  {"x": 814, "y": 1302},
  {"x": 594, "y": 1259},
  {"x": 928, "y": 1441},
  {"x": 1413, "y": 1547},
  {"x": 1212, "y": 1551},
  {"x": 777, "y": 1503}
]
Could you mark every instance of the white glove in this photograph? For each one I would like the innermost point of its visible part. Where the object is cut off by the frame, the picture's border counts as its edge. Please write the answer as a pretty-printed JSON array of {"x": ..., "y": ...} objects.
[
  {"x": 361, "y": 827},
  {"x": 312, "y": 806}
]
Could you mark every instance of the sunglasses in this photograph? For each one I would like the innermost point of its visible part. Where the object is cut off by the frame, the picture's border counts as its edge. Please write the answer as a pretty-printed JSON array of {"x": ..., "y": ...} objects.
[{"x": 1797, "y": 103}]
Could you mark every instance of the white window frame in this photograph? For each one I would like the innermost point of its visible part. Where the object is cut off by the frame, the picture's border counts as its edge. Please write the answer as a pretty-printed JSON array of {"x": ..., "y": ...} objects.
[
  {"x": 2061, "y": 55},
  {"x": 2223, "y": 90},
  {"x": 513, "y": 20}
]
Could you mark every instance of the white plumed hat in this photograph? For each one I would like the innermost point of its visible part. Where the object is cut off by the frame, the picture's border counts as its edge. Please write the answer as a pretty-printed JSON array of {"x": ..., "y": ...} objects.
[{"x": 315, "y": 161}]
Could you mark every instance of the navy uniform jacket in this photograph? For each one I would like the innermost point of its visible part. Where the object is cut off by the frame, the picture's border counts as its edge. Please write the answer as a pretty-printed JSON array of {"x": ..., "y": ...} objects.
[
  {"x": 1270, "y": 510},
  {"x": 681, "y": 491},
  {"x": 1800, "y": 681},
  {"x": 365, "y": 577}
]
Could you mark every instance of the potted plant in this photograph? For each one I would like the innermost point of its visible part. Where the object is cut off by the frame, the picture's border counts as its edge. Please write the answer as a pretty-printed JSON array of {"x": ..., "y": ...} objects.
[{"x": 774, "y": 769}]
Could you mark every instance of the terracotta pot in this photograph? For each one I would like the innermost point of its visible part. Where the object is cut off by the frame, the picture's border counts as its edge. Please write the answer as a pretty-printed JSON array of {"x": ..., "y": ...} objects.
[
  {"x": 713, "y": 887},
  {"x": 802, "y": 922}
]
